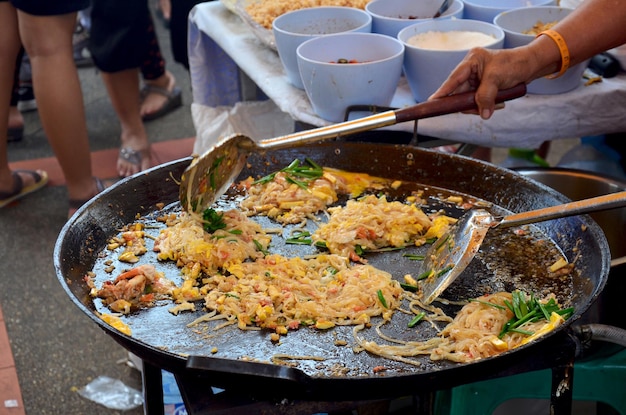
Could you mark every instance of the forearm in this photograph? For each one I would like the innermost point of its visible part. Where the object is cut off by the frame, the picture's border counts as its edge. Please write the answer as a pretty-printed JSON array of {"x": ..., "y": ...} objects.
[{"x": 595, "y": 26}]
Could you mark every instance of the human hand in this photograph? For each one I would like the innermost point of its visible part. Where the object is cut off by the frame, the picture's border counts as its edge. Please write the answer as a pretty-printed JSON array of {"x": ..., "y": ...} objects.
[{"x": 486, "y": 71}]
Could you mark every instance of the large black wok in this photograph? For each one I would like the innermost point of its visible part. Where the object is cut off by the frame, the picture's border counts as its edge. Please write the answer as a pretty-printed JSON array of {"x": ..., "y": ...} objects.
[{"x": 164, "y": 341}]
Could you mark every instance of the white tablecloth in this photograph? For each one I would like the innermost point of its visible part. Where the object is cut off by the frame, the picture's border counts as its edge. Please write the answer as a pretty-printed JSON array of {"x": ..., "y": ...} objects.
[{"x": 221, "y": 44}]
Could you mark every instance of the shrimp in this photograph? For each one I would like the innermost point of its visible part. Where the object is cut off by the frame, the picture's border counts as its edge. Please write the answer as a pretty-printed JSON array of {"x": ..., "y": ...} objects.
[{"x": 135, "y": 288}]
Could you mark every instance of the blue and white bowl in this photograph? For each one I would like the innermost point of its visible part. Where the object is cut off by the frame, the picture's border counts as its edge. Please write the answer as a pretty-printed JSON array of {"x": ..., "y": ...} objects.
[
  {"x": 333, "y": 87},
  {"x": 391, "y": 16},
  {"x": 426, "y": 68},
  {"x": 293, "y": 28}
]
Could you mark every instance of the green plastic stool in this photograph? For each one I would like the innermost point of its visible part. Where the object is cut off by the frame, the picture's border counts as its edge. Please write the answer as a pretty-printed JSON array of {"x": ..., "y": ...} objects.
[{"x": 599, "y": 379}]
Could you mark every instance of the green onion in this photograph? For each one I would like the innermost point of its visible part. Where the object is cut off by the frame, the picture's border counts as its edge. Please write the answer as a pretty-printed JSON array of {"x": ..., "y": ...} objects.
[
  {"x": 414, "y": 257},
  {"x": 381, "y": 297},
  {"x": 444, "y": 271},
  {"x": 260, "y": 247},
  {"x": 408, "y": 287},
  {"x": 321, "y": 244},
  {"x": 498, "y": 306},
  {"x": 309, "y": 170},
  {"x": 528, "y": 309},
  {"x": 232, "y": 295},
  {"x": 213, "y": 220},
  {"x": 300, "y": 238},
  {"x": 424, "y": 275},
  {"x": 416, "y": 319}
]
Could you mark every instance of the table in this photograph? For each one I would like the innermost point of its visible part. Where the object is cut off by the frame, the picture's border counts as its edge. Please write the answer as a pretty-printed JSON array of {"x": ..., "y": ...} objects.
[{"x": 223, "y": 48}]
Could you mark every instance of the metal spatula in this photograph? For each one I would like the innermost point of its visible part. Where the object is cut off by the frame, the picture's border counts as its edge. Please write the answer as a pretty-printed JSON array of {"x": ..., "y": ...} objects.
[
  {"x": 210, "y": 175},
  {"x": 451, "y": 254}
]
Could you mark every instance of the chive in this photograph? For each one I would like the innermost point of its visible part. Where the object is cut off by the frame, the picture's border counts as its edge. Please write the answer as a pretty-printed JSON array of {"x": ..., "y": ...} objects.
[
  {"x": 408, "y": 287},
  {"x": 236, "y": 231},
  {"x": 299, "y": 183},
  {"x": 444, "y": 271},
  {"x": 528, "y": 309},
  {"x": 528, "y": 333},
  {"x": 381, "y": 297},
  {"x": 213, "y": 220},
  {"x": 440, "y": 244},
  {"x": 300, "y": 238},
  {"x": 308, "y": 170},
  {"x": 414, "y": 257},
  {"x": 487, "y": 303},
  {"x": 233, "y": 296},
  {"x": 424, "y": 275},
  {"x": 416, "y": 319},
  {"x": 295, "y": 241},
  {"x": 332, "y": 270},
  {"x": 431, "y": 240},
  {"x": 260, "y": 247}
]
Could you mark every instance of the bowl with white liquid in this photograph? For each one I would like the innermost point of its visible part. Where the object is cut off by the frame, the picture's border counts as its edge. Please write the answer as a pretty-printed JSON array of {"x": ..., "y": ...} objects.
[{"x": 434, "y": 48}]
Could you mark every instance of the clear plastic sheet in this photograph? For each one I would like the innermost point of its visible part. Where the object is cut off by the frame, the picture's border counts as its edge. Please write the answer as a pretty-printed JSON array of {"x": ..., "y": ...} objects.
[{"x": 111, "y": 393}]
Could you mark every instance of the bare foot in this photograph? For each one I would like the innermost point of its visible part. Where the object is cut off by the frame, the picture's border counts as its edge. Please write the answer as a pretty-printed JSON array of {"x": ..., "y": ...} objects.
[
  {"x": 135, "y": 153},
  {"x": 153, "y": 101},
  {"x": 16, "y": 120},
  {"x": 7, "y": 183},
  {"x": 131, "y": 161}
]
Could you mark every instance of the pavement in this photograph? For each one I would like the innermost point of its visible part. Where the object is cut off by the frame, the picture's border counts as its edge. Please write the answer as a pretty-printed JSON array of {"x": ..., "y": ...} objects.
[{"x": 48, "y": 348}]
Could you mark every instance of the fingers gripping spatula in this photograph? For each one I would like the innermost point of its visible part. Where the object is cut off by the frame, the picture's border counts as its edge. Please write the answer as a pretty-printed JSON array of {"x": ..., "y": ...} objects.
[
  {"x": 209, "y": 176},
  {"x": 452, "y": 252}
]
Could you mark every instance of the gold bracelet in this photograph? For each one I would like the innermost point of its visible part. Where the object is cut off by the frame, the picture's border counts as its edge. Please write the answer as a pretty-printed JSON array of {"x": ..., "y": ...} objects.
[{"x": 563, "y": 50}]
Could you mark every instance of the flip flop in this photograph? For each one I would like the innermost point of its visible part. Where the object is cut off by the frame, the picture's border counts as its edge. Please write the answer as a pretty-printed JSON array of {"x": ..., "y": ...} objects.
[
  {"x": 174, "y": 100},
  {"x": 19, "y": 190},
  {"x": 132, "y": 156},
  {"x": 15, "y": 134}
]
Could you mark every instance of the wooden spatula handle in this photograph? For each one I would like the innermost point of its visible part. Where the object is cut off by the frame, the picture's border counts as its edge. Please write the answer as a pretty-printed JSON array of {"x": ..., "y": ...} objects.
[{"x": 453, "y": 103}]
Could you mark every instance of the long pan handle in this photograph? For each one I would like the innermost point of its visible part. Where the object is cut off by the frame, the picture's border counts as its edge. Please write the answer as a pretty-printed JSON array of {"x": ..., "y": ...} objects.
[
  {"x": 453, "y": 103},
  {"x": 594, "y": 204},
  {"x": 440, "y": 106}
]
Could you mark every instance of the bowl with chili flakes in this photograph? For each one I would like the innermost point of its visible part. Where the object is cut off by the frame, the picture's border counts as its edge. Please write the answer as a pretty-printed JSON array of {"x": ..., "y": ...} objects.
[
  {"x": 391, "y": 16},
  {"x": 346, "y": 69},
  {"x": 521, "y": 26}
]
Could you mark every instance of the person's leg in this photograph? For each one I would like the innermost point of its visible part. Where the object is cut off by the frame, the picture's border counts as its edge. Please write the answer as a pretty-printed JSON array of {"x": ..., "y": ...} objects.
[
  {"x": 48, "y": 42},
  {"x": 9, "y": 49},
  {"x": 15, "y": 129},
  {"x": 161, "y": 91},
  {"x": 123, "y": 89}
]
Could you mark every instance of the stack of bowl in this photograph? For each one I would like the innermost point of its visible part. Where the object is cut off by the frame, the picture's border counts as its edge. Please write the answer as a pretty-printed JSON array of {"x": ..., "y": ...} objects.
[{"x": 293, "y": 28}]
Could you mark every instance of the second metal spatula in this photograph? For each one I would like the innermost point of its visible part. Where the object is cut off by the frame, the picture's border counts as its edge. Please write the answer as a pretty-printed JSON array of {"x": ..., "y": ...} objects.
[{"x": 448, "y": 257}]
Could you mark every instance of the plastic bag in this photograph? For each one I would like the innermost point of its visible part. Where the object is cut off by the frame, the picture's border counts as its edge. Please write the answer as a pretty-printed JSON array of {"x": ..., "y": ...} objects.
[
  {"x": 112, "y": 393},
  {"x": 255, "y": 119}
]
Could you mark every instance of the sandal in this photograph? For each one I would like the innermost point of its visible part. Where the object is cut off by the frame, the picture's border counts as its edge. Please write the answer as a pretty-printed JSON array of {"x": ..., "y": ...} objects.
[
  {"x": 173, "y": 101},
  {"x": 19, "y": 190},
  {"x": 76, "y": 204},
  {"x": 132, "y": 156},
  {"x": 15, "y": 134}
]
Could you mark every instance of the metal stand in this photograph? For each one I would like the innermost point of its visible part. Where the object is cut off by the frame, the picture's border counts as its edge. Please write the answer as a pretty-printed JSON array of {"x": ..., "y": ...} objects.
[{"x": 558, "y": 354}]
